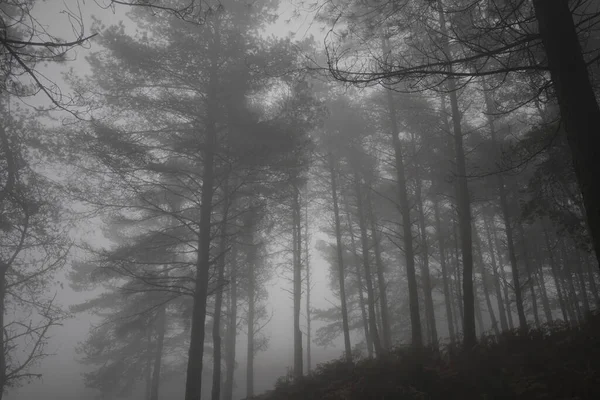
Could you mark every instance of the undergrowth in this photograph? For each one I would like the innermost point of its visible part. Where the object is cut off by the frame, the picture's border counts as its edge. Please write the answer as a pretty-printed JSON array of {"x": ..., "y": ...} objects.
[{"x": 554, "y": 362}]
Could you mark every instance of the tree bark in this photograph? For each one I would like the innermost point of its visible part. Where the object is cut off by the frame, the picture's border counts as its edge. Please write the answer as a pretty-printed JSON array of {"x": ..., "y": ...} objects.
[
  {"x": 582, "y": 288},
  {"x": 230, "y": 340},
  {"x": 498, "y": 289},
  {"x": 484, "y": 279},
  {"x": 193, "y": 385},
  {"x": 426, "y": 279},
  {"x": 530, "y": 280},
  {"x": 251, "y": 258},
  {"x": 361, "y": 296},
  {"x": 340, "y": 259},
  {"x": 555, "y": 274},
  {"x": 445, "y": 280},
  {"x": 383, "y": 303},
  {"x": 411, "y": 276},
  {"x": 216, "y": 328},
  {"x": 160, "y": 340},
  {"x": 463, "y": 202},
  {"x": 308, "y": 289},
  {"x": 297, "y": 221},
  {"x": 578, "y": 106},
  {"x": 366, "y": 265}
]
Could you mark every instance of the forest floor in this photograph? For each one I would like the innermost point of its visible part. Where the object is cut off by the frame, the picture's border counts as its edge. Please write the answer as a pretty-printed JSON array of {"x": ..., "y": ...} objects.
[{"x": 555, "y": 361}]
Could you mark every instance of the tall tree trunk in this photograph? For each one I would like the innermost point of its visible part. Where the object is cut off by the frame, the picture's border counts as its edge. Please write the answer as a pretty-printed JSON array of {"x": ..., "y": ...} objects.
[
  {"x": 297, "y": 221},
  {"x": 506, "y": 218},
  {"x": 509, "y": 311},
  {"x": 570, "y": 286},
  {"x": 193, "y": 385},
  {"x": 308, "y": 289},
  {"x": 251, "y": 259},
  {"x": 411, "y": 276},
  {"x": 555, "y": 274},
  {"x": 582, "y": 288},
  {"x": 340, "y": 259},
  {"x": 161, "y": 323},
  {"x": 457, "y": 272},
  {"x": 592, "y": 280},
  {"x": 148, "y": 370},
  {"x": 484, "y": 280},
  {"x": 498, "y": 289},
  {"x": 383, "y": 303},
  {"x": 366, "y": 265},
  {"x": 231, "y": 327},
  {"x": 542, "y": 285},
  {"x": 462, "y": 199},
  {"x": 426, "y": 279},
  {"x": 530, "y": 280},
  {"x": 477, "y": 306},
  {"x": 216, "y": 328},
  {"x": 361, "y": 296},
  {"x": 445, "y": 280},
  {"x": 578, "y": 106}
]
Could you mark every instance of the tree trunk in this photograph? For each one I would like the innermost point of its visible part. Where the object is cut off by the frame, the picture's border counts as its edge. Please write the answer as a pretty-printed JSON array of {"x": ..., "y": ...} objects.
[
  {"x": 457, "y": 272},
  {"x": 340, "y": 259},
  {"x": 582, "y": 288},
  {"x": 445, "y": 280},
  {"x": 308, "y": 288},
  {"x": 542, "y": 285},
  {"x": 509, "y": 311},
  {"x": 148, "y": 371},
  {"x": 411, "y": 277},
  {"x": 498, "y": 289},
  {"x": 366, "y": 265},
  {"x": 297, "y": 221},
  {"x": 555, "y": 274},
  {"x": 193, "y": 385},
  {"x": 231, "y": 327},
  {"x": 484, "y": 279},
  {"x": 160, "y": 340},
  {"x": 361, "y": 296},
  {"x": 578, "y": 106},
  {"x": 216, "y": 329},
  {"x": 426, "y": 279},
  {"x": 250, "y": 225},
  {"x": 570, "y": 287},
  {"x": 463, "y": 202},
  {"x": 592, "y": 280},
  {"x": 530, "y": 280},
  {"x": 383, "y": 304}
]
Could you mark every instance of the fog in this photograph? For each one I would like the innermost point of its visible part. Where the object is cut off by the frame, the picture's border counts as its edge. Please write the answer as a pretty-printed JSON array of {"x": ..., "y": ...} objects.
[{"x": 207, "y": 199}]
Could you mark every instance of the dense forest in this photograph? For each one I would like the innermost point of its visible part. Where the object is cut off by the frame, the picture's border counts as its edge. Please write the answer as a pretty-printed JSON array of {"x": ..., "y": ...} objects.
[{"x": 414, "y": 182}]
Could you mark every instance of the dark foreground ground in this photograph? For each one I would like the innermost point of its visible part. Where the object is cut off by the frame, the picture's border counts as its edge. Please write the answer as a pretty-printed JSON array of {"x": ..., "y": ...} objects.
[{"x": 554, "y": 362}]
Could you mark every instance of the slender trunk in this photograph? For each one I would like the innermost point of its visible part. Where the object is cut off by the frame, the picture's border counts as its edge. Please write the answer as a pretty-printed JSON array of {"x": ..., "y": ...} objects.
[
  {"x": 507, "y": 222},
  {"x": 542, "y": 286},
  {"x": 251, "y": 259},
  {"x": 216, "y": 328},
  {"x": 308, "y": 283},
  {"x": 509, "y": 311},
  {"x": 477, "y": 307},
  {"x": 528, "y": 270},
  {"x": 367, "y": 268},
  {"x": 555, "y": 274},
  {"x": 457, "y": 272},
  {"x": 383, "y": 303},
  {"x": 340, "y": 259},
  {"x": 426, "y": 279},
  {"x": 578, "y": 106},
  {"x": 570, "y": 287},
  {"x": 161, "y": 323},
  {"x": 592, "y": 280},
  {"x": 230, "y": 340},
  {"x": 193, "y": 389},
  {"x": 361, "y": 296},
  {"x": 463, "y": 202},
  {"x": 484, "y": 280},
  {"x": 498, "y": 289},
  {"x": 445, "y": 280},
  {"x": 413, "y": 294},
  {"x": 582, "y": 288},
  {"x": 148, "y": 371},
  {"x": 453, "y": 296},
  {"x": 297, "y": 221}
]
